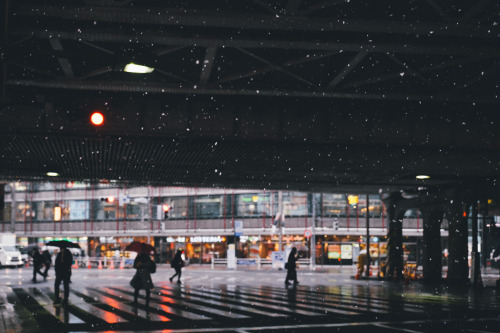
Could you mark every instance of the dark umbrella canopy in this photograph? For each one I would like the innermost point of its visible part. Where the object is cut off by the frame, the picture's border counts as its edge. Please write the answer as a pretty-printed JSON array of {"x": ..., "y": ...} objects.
[
  {"x": 140, "y": 247},
  {"x": 31, "y": 247},
  {"x": 63, "y": 243}
]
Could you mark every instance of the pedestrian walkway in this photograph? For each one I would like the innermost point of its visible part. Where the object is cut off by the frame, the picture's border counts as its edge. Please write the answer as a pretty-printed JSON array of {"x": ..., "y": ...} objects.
[{"x": 247, "y": 301}]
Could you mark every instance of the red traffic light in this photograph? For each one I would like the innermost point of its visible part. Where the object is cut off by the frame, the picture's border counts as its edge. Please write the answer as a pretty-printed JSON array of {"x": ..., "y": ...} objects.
[
  {"x": 97, "y": 119},
  {"x": 165, "y": 207}
]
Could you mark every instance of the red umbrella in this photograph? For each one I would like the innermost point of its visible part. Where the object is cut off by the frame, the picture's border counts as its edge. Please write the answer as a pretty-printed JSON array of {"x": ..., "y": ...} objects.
[{"x": 140, "y": 247}]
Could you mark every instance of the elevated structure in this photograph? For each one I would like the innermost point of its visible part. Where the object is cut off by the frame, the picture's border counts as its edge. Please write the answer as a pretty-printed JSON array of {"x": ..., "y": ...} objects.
[{"x": 300, "y": 95}]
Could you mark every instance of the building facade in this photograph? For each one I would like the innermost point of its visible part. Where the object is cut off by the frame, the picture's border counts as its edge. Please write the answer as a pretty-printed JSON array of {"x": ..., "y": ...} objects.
[{"x": 103, "y": 218}]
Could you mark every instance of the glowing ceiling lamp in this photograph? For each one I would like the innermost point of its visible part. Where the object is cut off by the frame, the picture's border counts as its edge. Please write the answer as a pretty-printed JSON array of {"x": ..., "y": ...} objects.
[
  {"x": 138, "y": 69},
  {"x": 52, "y": 174},
  {"x": 422, "y": 177}
]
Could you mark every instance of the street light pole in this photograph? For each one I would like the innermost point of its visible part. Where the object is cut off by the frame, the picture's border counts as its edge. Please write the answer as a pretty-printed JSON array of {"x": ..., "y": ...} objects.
[
  {"x": 313, "y": 234},
  {"x": 280, "y": 220},
  {"x": 368, "y": 259}
]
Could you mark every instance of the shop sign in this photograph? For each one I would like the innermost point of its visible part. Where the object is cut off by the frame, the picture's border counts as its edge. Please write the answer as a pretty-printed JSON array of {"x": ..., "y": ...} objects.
[
  {"x": 206, "y": 239},
  {"x": 278, "y": 259},
  {"x": 176, "y": 239},
  {"x": 238, "y": 228}
]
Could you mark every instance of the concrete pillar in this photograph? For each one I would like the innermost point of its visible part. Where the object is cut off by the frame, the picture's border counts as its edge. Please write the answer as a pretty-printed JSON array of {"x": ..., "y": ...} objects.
[
  {"x": 394, "y": 268},
  {"x": 432, "y": 265},
  {"x": 458, "y": 268}
]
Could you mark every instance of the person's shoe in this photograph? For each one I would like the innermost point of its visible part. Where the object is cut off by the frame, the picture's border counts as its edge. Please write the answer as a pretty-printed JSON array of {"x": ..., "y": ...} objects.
[
  {"x": 170, "y": 280},
  {"x": 178, "y": 281}
]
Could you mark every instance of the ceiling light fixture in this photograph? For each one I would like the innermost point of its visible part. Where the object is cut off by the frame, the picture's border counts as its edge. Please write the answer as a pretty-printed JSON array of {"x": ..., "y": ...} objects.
[
  {"x": 138, "y": 69},
  {"x": 52, "y": 174},
  {"x": 422, "y": 177}
]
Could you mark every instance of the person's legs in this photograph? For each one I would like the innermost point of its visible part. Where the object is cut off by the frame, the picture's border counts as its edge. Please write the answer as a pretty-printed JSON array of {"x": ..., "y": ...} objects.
[
  {"x": 178, "y": 272},
  {"x": 56, "y": 289},
  {"x": 294, "y": 276},
  {"x": 136, "y": 294},
  {"x": 46, "y": 271},
  {"x": 148, "y": 295},
  {"x": 66, "y": 289},
  {"x": 34, "y": 274}
]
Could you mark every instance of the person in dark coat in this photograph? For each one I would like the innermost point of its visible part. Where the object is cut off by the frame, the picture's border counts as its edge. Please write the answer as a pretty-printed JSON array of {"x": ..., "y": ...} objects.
[
  {"x": 177, "y": 264},
  {"x": 47, "y": 260},
  {"x": 37, "y": 264},
  {"x": 64, "y": 260},
  {"x": 291, "y": 267},
  {"x": 142, "y": 278}
]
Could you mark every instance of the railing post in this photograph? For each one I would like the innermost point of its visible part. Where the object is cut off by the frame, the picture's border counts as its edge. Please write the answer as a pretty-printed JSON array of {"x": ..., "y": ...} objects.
[{"x": 212, "y": 264}]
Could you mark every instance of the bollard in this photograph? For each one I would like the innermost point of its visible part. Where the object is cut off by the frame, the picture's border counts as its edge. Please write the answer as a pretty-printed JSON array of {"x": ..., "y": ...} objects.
[
  {"x": 75, "y": 265},
  {"x": 122, "y": 263},
  {"x": 112, "y": 266},
  {"x": 100, "y": 264}
]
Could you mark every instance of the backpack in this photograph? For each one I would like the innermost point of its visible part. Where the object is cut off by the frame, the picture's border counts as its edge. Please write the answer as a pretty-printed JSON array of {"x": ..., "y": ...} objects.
[{"x": 152, "y": 268}]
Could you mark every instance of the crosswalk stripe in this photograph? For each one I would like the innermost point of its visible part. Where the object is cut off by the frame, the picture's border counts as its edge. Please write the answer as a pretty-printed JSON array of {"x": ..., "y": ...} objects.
[
  {"x": 187, "y": 305},
  {"x": 60, "y": 313},
  {"x": 164, "y": 310},
  {"x": 217, "y": 300},
  {"x": 120, "y": 305}
]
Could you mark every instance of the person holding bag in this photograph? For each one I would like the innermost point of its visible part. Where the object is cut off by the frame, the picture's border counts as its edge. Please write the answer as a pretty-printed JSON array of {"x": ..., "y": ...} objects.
[
  {"x": 291, "y": 267},
  {"x": 142, "y": 278},
  {"x": 177, "y": 264}
]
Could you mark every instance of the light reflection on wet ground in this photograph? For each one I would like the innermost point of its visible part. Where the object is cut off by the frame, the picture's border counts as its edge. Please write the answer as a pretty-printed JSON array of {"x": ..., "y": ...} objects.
[{"x": 218, "y": 301}]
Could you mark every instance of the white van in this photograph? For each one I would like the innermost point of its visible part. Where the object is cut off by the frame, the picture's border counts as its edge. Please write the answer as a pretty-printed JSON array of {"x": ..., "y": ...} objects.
[{"x": 10, "y": 256}]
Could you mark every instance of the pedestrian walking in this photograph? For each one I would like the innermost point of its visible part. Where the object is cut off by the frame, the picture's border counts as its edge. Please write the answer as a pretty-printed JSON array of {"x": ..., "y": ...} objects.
[
  {"x": 64, "y": 260},
  {"x": 177, "y": 263},
  {"x": 291, "y": 267},
  {"x": 47, "y": 260},
  {"x": 142, "y": 278},
  {"x": 37, "y": 263}
]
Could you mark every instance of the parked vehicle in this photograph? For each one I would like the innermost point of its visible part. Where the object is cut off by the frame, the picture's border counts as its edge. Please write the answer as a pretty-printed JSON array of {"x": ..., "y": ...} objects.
[
  {"x": 24, "y": 254},
  {"x": 10, "y": 256}
]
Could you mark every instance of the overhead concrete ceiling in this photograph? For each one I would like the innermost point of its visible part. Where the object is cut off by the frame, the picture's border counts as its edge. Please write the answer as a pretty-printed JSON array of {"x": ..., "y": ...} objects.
[{"x": 301, "y": 95}]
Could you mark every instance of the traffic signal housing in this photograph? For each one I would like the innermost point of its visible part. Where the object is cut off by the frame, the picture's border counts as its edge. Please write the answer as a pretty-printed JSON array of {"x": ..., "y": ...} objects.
[
  {"x": 110, "y": 199},
  {"x": 166, "y": 210}
]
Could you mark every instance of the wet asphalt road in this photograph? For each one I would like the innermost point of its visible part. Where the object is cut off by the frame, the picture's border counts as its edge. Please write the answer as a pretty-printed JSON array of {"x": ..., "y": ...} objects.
[{"x": 243, "y": 301}]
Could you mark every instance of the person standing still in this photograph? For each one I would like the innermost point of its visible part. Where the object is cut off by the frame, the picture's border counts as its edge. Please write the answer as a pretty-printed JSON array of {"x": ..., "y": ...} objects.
[
  {"x": 47, "y": 260},
  {"x": 37, "y": 264},
  {"x": 177, "y": 264},
  {"x": 291, "y": 267},
  {"x": 142, "y": 278},
  {"x": 64, "y": 260}
]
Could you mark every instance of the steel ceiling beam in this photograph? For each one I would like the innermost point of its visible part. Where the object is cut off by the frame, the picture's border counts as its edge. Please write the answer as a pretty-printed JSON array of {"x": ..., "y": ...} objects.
[
  {"x": 164, "y": 39},
  {"x": 151, "y": 88},
  {"x": 241, "y": 20}
]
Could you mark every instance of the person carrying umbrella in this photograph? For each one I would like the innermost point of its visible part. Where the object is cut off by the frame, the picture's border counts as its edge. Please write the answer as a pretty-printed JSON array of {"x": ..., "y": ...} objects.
[
  {"x": 47, "y": 260},
  {"x": 64, "y": 260},
  {"x": 291, "y": 267},
  {"x": 142, "y": 279},
  {"x": 37, "y": 263},
  {"x": 62, "y": 266},
  {"x": 177, "y": 264}
]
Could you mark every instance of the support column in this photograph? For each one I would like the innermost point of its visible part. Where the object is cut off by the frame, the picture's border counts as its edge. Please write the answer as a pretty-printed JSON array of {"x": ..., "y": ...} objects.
[
  {"x": 394, "y": 268},
  {"x": 432, "y": 265},
  {"x": 476, "y": 279},
  {"x": 458, "y": 269}
]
